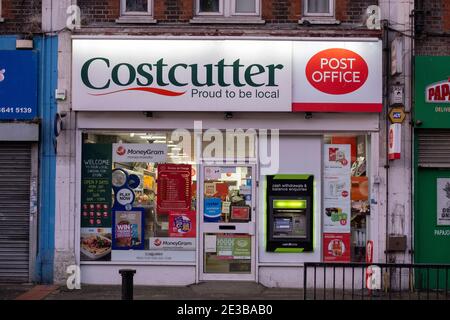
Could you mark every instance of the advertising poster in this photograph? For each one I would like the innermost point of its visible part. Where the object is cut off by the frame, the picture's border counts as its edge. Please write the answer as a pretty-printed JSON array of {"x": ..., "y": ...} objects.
[
  {"x": 18, "y": 84},
  {"x": 128, "y": 229},
  {"x": 96, "y": 186},
  {"x": 212, "y": 209},
  {"x": 337, "y": 159},
  {"x": 233, "y": 246},
  {"x": 443, "y": 202},
  {"x": 336, "y": 247},
  {"x": 240, "y": 213},
  {"x": 337, "y": 188},
  {"x": 174, "y": 184},
  {"x": 95, "y": 244},
  {"x": 182, "y": 224},
  {"x": 337, "y": 216}
]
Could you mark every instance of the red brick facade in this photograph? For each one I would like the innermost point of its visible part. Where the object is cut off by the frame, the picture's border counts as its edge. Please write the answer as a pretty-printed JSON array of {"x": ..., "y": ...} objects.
[{"x": 21, "y": 16}]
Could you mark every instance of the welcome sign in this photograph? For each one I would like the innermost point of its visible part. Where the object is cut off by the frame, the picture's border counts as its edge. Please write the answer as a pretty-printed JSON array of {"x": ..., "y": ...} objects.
[{"x": 226, "y": 75}]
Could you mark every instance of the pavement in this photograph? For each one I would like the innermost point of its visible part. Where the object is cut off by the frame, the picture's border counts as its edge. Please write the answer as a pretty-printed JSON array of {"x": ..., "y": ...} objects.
[{"x": 214, "y": 290}]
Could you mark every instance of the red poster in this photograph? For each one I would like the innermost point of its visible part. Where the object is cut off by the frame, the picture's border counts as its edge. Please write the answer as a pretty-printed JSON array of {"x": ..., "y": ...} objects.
[
  {"x": 174, "y": 188},
  {"x": 240, "y": 213},
  {"x": 182, "y": 224},
  {"x": 336, "y": 247}
]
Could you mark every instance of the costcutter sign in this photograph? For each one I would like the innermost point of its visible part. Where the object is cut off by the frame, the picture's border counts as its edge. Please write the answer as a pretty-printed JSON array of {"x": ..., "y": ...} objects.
[{"x": 226, "y": 75}]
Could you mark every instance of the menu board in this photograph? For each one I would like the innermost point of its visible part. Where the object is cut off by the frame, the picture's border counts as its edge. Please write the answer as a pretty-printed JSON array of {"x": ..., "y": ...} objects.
[
  {"x": 174, "y": 188},
  {"x": 96, "y": 186}
]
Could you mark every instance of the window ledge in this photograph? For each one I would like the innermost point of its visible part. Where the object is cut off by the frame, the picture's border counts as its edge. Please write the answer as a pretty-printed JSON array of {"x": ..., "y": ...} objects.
[
  {"x": 223, "y": 20},
  {"x": 317, "y": 20},
  {"x": 136, "y": 19}
]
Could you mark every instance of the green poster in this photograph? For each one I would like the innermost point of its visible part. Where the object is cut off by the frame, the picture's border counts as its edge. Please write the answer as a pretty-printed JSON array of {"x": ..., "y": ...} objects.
[
  {"x": 432, "y": 92},
  {"x": 242, "y": 248},
  {"x": 96, "y": 186}
]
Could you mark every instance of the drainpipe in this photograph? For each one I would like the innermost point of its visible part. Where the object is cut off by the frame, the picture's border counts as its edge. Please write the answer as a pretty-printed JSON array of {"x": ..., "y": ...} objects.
[{"x": 385, "y": 117}]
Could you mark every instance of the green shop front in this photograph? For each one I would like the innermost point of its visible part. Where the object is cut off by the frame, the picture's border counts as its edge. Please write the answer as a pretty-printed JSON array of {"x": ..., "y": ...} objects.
[{"x": 432, "y": 166}]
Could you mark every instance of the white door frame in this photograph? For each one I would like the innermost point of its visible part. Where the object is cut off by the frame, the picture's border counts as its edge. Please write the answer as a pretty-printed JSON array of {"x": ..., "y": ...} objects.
[{"x": 246, "y": 228}]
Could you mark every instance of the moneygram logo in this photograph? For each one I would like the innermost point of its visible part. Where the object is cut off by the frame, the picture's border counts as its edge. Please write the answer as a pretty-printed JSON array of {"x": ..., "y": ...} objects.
[
  {"x": 121, "y": 151},
  {"x": 337, "y": 71},
  {"x": 157, "y": 242}
]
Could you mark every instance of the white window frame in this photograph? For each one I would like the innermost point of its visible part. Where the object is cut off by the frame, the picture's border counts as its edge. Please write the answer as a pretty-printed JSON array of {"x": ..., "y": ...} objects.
[
  {"x": 123, "y": 12},
  {"x": 227, "y": 9},
  {"x": 1, "y": 17},
  {"x": 330, "y": 14},
  {"x": 256, "y": 13}
]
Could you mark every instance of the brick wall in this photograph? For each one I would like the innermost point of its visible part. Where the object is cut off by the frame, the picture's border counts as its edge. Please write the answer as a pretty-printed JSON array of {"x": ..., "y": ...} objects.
[
  {"x": 181, "y": 11},
  {"x": 21, "y": 16},
  {"x": 435, "y": 40},
  {"x": 99, "y": 11}
]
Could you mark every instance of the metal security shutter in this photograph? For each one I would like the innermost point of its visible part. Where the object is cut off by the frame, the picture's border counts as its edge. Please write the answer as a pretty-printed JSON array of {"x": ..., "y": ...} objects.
[
  {"x": 434, "y": 148},
  {"x": 15, "y": 172}
]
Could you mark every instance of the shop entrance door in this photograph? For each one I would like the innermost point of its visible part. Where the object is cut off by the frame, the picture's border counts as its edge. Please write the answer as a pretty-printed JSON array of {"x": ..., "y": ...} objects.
[{"x": 227, "y": 222}]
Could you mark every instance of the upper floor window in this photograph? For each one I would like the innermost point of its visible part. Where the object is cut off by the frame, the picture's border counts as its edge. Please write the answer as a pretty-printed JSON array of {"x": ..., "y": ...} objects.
[
  {"x": 1, "y": 17},
  {"x": 136, "y": 11},
  {"x": 224, "y": 11},
  {"x": 319, "y": 11}
]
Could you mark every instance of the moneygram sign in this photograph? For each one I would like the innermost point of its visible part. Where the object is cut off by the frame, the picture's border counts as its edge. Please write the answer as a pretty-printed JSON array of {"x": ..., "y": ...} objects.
[{"x": 223, "y": 75}]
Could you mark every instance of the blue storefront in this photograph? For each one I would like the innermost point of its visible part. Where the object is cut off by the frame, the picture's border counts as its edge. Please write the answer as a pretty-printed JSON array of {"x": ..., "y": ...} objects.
[{"x": 28, "y": 79}]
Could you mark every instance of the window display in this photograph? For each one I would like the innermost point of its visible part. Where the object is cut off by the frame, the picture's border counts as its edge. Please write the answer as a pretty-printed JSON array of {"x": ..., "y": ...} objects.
[
  {"x": 138, "y": 199},
  {"x": 346, "y": 198}
]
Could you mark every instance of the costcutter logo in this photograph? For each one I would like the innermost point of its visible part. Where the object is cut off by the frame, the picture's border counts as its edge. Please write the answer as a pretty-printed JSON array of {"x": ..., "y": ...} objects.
[
  {"x": 2, "y": 75},
  {"x": 438, "y": 92},
  {"x": 121, "y": 151},
  {"x": 337, "y": 71},
  {"x": 152, "y": 77}
]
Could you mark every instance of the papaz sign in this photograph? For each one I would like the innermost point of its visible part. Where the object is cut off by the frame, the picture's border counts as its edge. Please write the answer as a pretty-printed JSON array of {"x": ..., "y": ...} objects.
[
  {"x": 438, "y": 92},
  {"x": 226, "y": 75}
]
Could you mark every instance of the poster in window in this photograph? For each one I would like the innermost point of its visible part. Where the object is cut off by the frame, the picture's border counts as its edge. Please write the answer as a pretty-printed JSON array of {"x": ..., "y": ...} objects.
[
  {"x": 128, "y": 229},
  {"x": 95, "y": 244},
  {"x": 174, "y": 185},
  {"x": 443, "y": 202},
  {"x": 182, "y": 224},
  {"x": 336, "y": 247}
]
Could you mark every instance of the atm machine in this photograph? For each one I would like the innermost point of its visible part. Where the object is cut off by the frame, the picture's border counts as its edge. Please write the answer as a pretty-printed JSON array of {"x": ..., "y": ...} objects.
[{"x": 289, "y": 205}]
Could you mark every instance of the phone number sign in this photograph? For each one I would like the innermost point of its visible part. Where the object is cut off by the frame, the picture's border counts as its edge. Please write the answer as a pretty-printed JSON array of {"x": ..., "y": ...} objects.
[{"x": 18, "y": 85}]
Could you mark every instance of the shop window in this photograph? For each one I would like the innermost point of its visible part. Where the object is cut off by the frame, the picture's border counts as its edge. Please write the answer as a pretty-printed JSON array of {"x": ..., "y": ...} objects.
[
  {"x": 136, "y": 11},
  {"x": 227, "y": 11},
  {"x": 346, "y": 198},
  {"x": 138, "y": 198},
  {"x": 319, "y": 11}
]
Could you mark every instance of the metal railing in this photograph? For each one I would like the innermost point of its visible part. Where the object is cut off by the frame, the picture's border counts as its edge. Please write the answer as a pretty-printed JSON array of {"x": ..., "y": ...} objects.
[{"x": 375, "y": 281}]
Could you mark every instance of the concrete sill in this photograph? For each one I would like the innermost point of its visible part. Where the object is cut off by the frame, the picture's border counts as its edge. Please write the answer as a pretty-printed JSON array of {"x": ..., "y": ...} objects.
[
  {"x": 2, "y": 19},
  {"x": 311, "y": 20},
  {"x": 222, "y": 20},
  {"x": 136, "y": 20}
]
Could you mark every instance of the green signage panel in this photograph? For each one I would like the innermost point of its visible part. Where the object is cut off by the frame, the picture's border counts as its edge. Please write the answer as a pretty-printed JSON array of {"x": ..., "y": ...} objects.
[
  {"x": 96, "y": 186},
  {"x": 432, "y": 92}
]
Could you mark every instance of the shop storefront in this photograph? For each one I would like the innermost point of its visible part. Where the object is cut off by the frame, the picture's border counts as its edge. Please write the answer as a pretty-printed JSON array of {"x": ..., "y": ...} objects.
[
  {"x": 202, "y": 159},
  {"x": 432, "y": 163},
  {"x": 18, "y": 164}
]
